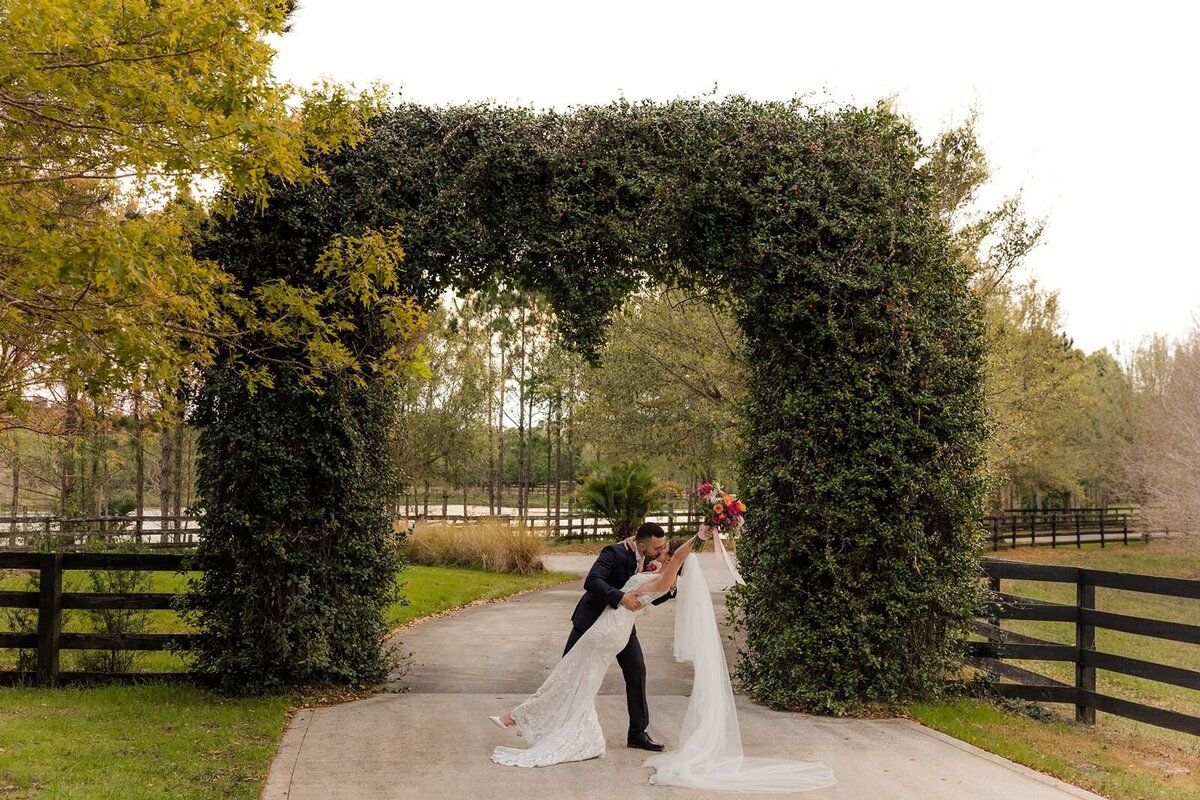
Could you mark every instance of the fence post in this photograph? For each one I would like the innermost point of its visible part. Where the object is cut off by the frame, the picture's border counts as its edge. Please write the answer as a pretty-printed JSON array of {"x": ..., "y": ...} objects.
[
  {"x": 994, "y": 637},
  {"x": 49, "y": 618},
  {"x": 1125, "y": 529},
  {"x": 1013, "y": 521},
  {"x": 1103, "y": 513},
  {"x": 1085, "y": 639},
  {"x": 1078, "y": 540},
  {"x": 1053, "y": 530}
]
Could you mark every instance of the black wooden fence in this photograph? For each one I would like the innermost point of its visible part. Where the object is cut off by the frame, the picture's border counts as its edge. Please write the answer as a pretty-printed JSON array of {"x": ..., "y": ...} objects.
[
  {"x": 50, "y": 600},
  {"x": 1004, "y": 644},
  {"x": 182, "y": 532},
  {"x": 1010, "y": 529},
  {"x": 1062, "y": 527}
]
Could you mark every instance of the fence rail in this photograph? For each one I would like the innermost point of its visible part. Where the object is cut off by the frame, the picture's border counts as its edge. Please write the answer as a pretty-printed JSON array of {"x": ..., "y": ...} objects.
[
  {"x": 576, "y": 527},
  {"x": 1026, "y": 684},
  {"x": 182, "y": 532},
  {"x": 1062, "y": 527},
  {"x": 50, "y": 600},
  {"x": 153, "y": 531}
]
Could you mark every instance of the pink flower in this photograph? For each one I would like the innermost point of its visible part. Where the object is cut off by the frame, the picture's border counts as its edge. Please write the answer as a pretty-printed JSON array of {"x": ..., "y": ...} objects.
[{"x": 653, "y": 565}]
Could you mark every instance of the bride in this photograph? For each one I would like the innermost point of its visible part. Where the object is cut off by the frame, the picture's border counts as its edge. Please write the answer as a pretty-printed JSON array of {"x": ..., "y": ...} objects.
[{"x": 560, "y": 722}]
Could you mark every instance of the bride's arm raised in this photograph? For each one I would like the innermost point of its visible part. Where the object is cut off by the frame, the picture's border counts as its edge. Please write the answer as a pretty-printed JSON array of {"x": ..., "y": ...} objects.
[{"x": 666, "y": 578}]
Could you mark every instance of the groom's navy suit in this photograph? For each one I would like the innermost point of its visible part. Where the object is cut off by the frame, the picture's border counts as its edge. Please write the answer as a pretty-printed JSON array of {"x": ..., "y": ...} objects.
[{"x": 615, "y": 565}]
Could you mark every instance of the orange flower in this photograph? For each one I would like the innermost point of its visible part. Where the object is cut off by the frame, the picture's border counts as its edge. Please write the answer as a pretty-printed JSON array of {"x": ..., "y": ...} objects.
[
  {"x": 727, "y": 499},
  {"x": 718, "y": 509}
]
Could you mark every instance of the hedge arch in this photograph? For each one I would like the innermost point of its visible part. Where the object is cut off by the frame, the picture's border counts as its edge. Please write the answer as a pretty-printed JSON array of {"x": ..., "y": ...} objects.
[{"x": 864, "y": 421}]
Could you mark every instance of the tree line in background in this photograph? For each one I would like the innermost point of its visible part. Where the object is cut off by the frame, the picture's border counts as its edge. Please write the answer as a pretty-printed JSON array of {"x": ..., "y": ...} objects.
[{"x": 501, "y": 407}]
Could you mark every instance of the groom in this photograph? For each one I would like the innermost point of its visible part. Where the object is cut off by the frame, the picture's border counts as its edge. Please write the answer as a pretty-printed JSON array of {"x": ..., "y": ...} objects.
[{"x": 615, "y": 565}]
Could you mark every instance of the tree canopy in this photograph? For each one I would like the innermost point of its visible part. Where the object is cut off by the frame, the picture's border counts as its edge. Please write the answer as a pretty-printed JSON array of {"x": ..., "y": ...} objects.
[{"x": 107, "y": 112}]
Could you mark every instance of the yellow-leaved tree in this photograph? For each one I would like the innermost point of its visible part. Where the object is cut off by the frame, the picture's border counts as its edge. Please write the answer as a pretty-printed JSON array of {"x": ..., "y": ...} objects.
[{"x": 109, "y": 114}]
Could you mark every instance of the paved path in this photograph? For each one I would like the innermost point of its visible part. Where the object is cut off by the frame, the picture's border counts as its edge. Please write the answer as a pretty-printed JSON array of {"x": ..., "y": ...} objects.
[{"x": 428, "y": 737}]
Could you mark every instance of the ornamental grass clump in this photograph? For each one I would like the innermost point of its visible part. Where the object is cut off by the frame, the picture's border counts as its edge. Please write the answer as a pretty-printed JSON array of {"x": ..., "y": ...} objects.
[{"x": 490, "y": 545}]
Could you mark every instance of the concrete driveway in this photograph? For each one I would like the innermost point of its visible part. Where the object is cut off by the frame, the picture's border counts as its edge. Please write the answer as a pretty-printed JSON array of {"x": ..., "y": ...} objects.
[{"x": 427, "y": 735}]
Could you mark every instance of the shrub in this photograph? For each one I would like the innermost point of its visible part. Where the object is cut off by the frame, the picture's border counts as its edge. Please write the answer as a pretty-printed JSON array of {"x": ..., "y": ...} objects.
[
  {"x": 491, "y": 545},
  {"x": 623, "y": 494},
  {"x": 116, "y": 620}
]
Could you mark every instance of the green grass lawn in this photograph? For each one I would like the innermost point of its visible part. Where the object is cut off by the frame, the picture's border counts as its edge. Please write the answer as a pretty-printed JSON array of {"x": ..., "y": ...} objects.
[
  {"x": 129, "y": 742},
  {"x": 1109, "y": 760},
  {"x": 1118, "y": 758},
  {"x": 154, "y": 741},
  {"x": 430, "y": 590}
]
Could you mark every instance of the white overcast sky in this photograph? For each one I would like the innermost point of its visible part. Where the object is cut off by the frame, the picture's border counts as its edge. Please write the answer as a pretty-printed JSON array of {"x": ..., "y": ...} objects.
[{"x": 1090, "y": 108}]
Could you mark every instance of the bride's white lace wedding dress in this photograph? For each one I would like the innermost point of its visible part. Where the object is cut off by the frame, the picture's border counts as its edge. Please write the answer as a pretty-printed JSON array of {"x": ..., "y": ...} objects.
[
  {"x": 561, "y": 723},
  {"x": 560, "y": 718}
]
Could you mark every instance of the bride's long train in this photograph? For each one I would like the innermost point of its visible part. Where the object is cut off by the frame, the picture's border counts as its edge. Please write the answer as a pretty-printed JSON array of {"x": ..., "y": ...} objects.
[{"x": 709, "y": 755}]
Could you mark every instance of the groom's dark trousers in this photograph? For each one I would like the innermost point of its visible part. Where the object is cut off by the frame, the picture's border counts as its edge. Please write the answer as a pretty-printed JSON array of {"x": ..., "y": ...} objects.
[{"x": 615, "y": 565}]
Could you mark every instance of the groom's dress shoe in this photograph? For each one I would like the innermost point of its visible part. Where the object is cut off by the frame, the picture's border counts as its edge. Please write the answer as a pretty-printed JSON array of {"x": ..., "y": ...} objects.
[{"x": 642, "y": 741}]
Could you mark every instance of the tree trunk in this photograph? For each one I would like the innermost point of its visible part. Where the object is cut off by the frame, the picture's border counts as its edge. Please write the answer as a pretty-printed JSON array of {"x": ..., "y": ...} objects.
[
  {"x": 491, "y": 437},
  {"x": 521, "y": 390},
  {"x": 571, "y": 450},
  {"x": 16, "y": 479},
  {"x": 166, "y": 446},
  {"x": 100, "y": 466},
  {"x": 558, "y": 461},
  {"x": 139, "y": 462},
  {"x": 180, "y": 442},
  {"x": 67, "y": 478},
  {"x": 529, "y": 455},
  {"x": 500, "y": 476}
]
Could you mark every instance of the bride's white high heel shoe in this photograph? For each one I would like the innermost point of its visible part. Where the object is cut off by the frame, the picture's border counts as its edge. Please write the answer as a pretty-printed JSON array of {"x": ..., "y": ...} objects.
[{"x": 500, "y": 723}]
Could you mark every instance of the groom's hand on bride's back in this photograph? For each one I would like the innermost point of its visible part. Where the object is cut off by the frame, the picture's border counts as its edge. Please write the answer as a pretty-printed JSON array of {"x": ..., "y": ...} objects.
[{"x": 631, "y": 600}]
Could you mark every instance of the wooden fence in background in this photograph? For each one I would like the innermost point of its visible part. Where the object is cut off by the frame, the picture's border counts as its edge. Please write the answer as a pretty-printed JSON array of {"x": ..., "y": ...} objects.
[
  {"x": 49, "y": 640},
  {"x": 1002, "y": 644},
  {"x": 1063, "y": 527},
  {"x": 182, "y": 532},
  {"x": 153, "y": 531},
  {"x": 1010, "y": 529}
]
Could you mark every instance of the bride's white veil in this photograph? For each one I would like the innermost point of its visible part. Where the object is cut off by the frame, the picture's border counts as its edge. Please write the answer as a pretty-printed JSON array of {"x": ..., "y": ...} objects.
[{"x": 709, "y": 755}]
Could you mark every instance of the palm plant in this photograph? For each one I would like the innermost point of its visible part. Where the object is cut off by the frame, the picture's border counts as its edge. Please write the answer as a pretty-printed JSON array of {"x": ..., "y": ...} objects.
[{"x": 623, "y": 494}]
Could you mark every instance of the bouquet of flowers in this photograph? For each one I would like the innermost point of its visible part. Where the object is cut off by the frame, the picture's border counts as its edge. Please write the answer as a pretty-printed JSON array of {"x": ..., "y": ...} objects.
[{"x": 725, "y": 510}]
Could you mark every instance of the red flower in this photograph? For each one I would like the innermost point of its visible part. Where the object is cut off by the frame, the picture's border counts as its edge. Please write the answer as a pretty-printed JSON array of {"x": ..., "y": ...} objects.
[{"x": 653, "y": 565}]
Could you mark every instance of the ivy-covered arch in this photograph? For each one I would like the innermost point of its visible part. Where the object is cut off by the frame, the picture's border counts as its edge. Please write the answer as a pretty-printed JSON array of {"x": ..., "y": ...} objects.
[{"x": 864, "y": 421}]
